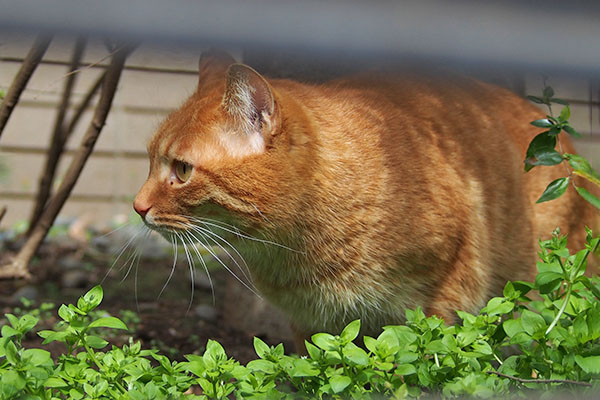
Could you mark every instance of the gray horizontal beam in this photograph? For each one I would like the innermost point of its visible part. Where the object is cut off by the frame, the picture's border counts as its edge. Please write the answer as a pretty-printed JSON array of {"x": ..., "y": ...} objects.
[{"x": 563, "y": 35}]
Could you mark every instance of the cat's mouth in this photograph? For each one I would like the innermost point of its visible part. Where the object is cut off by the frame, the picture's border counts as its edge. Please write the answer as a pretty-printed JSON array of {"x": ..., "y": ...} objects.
[{"x": 166, "y": 226}]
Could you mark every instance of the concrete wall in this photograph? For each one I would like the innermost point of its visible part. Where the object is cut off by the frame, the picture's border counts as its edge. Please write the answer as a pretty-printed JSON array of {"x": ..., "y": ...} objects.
[{"x": 157, "y": 80}]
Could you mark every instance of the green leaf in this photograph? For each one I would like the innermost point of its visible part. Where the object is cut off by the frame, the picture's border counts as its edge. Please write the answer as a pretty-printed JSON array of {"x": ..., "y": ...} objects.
[
  {"x": 66, "y": 313},
  {"x": 548, "y": 281},
  {"x": 403, "y": 336},
  {"x": 339, "y": 383},
  {"x": 75, "y": 394},
  {"x": 37, "y": 357},
  {"x": 350, "y": 332},
  {"x": 108, "y": 322},
  {"x": 11, "y": 353},
  {"x": 355, "y": 354},
  {"x": 591, "y": 287},
  {"x": 55, "y": 382},
  {"x": 541, "y": 151},
  {"x": 555, "y": 130},
  {"x": 51, "y": 336},
  {"x": 482, "y": 347},
  {"x": 582, "y": 167},
  {"x": 590, "y": 364},
  {"x": 265, "y": 366},
  {"x": 532, "y": 322},
  {"x": 571, "y": 131},
  {"x": 548, "y": 92},
  {"x": 565, "y": 114},
  {"x": 9, "y": 331},
  {"x": 27, "y": 322},
  {"x": 590, "y": 198},
  {"x": 13, "y": 378},
  {"x": 560, "y": 101},
  {"x": 93, "y": 297},
  {"x": 405, "y": 369},
  {"x": 313, "y": 351},
  {"x": 14, "y": 321},
  {"x": 536, "y": 99},
  {"x": 261, "y": 348},
  {"x": 435, "y": 346},
  {"x": 324, "y": 341},
  {"x": 406, "y": 357},
  {"x": 542, "y": 123},
  {"x": 95, "y": 342},
  {"x": 498, "y": 306},
  {"x": 512, "y": 327},
  {"x": 214, "y": 349},
  {"x": 302, "y": 367},
  {"x": 554, "y": 190},
  {"x": 370, "y": 344}
]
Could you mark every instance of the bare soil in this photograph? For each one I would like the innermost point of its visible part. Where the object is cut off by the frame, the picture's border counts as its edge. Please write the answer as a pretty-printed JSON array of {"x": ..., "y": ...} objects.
[{"x": 176, "y": 323}]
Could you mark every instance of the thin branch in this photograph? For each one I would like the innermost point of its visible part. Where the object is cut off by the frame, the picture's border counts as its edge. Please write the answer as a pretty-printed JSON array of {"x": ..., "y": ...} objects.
[
  {"x": 84, "y": 105},
  {"x": 58, "y": 139},
  {"x": 18, "y": 267},
  {"x": 2, "y": 212},
  {"x": 521, "y": 380},
  {"x": 20, "y": 82}
]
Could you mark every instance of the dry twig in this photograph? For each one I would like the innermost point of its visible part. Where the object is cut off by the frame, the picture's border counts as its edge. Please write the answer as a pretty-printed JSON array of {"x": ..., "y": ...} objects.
[
  {"x": 20, "y": 82},
  {"x": 84, "y": 105},
  {"x": 521, "y": 380},
  {"x": 18, "y": 268},
  {"x": 58, "y": 140}
]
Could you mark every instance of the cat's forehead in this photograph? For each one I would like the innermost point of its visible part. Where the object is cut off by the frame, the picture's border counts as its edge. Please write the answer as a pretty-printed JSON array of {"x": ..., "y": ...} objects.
[{"x": 211, "y": 141}]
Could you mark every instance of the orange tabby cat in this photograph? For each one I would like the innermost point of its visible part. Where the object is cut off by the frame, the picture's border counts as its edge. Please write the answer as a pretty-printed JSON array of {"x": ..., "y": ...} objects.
[{"x": 381, "y": 192}]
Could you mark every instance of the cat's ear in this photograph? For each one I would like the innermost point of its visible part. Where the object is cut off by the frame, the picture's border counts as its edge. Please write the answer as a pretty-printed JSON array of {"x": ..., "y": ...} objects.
[
  {"x": 249, "y": 101},
  {"x": 212, "y": 66}
]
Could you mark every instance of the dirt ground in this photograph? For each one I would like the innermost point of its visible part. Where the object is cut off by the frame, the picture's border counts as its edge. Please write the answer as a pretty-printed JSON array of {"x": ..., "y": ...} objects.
[{"x": 176, "y": 323}]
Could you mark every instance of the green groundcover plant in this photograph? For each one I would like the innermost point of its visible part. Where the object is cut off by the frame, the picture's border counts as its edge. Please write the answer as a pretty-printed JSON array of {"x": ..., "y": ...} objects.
[{"x": 539, "y": 337}]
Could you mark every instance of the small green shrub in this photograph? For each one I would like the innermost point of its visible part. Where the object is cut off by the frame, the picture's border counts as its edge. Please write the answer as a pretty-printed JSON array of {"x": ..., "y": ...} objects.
[
  {"x": 514, "y": 346},
  {"x": 542, "y": 150}
]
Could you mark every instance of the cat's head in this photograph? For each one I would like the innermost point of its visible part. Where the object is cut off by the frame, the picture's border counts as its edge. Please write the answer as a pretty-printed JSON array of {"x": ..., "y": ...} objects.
[{"x": 225, "y": 149}]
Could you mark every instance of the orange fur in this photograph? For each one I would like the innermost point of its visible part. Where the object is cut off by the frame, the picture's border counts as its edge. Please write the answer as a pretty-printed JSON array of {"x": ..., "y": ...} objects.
[{"x": 393, "y": 192}]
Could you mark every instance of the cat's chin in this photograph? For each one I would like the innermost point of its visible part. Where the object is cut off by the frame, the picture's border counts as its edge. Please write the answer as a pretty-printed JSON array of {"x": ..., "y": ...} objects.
[{"x": 166, "y": 232}]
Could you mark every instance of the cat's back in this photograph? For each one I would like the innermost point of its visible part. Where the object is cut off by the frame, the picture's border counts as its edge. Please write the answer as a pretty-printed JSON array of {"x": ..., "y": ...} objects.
[{"x": 437, "y": 160}]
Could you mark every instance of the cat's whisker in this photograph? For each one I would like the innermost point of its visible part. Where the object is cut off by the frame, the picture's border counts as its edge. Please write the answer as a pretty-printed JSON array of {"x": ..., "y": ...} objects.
[
  {"x": 135, "y": 287},
  {"x": 240, "y": 234},
  {"x": 117, "y": 229},
  {"x": 121, "y": 251},
  {"x": 174, "y": 243},
  {"x": 212, "y": 288},
  {"x": 137, "y": 253},
  {"x": 245, "y": 271},
  {"x": 191, "y": 267},
  {"x": 207, "y": 247},
  {"x": 261, "y": 214}
]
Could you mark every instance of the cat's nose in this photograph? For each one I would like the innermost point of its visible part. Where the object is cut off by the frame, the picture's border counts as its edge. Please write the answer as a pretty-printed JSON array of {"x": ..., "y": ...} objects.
[{"x": 141, "y": 208}]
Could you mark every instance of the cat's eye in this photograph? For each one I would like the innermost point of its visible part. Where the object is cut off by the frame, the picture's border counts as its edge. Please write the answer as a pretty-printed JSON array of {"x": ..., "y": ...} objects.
[{"x": 182, "y": 170}]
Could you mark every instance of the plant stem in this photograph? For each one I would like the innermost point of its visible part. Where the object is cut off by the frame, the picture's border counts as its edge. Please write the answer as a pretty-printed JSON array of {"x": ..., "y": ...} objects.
[
  {"x": 562, "y": 309},
  {"x": 92, "y": 356},
  {"x": 521, "y": 380}
]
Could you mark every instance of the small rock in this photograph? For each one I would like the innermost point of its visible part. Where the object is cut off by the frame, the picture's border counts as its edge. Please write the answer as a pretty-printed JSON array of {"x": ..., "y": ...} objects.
[
  {"x": 206, "y": 312},
  {"x": 75, "y": 278}
]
